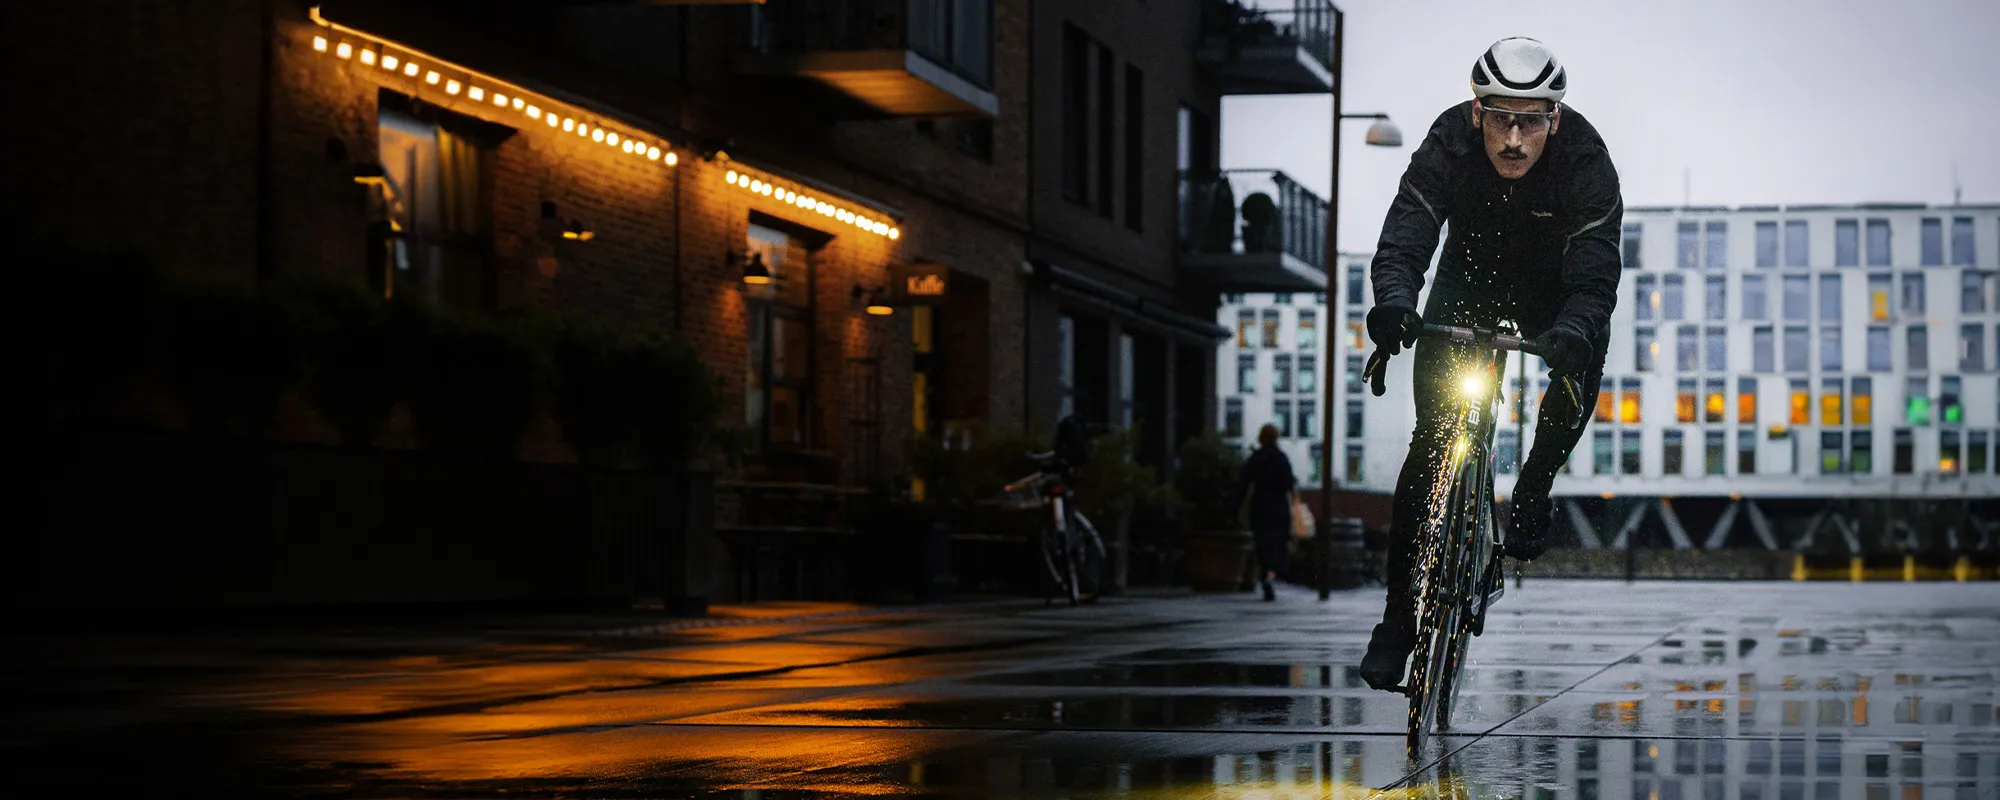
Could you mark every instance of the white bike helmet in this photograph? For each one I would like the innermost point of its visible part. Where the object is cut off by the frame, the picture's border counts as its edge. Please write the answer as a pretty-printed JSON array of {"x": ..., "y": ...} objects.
[{"x": 1519, "y": 67}]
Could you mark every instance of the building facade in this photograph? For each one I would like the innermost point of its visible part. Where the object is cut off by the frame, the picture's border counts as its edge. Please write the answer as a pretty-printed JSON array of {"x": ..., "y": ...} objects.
[{"x": 1779, "y": 376}]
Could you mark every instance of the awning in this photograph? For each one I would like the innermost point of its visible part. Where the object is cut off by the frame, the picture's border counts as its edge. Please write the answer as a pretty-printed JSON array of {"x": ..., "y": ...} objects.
[{"x": 1115, "y": 301}]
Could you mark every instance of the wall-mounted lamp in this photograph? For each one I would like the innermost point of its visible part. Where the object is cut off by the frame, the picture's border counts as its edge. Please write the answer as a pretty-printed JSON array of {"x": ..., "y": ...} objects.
[
  {"x": 754, "y": 271},
  {"x": 576, "y": 231},
  {"x": 873, "y": 300}
]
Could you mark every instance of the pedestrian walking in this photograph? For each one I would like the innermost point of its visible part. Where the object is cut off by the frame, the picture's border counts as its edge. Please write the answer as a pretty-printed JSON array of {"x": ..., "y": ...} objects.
[{"x": 1268, "y": 483}]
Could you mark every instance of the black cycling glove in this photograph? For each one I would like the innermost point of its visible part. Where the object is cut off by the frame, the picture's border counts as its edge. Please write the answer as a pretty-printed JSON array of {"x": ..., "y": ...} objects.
[
  {"x": 1565, "y": 350},
  {"x": 1394, "y": 327}
]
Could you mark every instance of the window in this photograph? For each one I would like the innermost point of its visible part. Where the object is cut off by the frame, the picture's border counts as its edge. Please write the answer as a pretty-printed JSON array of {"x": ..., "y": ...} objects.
[
  {"x": 1948, "y": 400},
  {"x": 1685, "y": 400},
  {"x": 1308, "y": 329},
  {"x": 1232, "y": 417},
  {"x": 1629, "y": 400},
  {"x": 1878, "y": 296},
  {"x": 1948, "y": 451},
  {"x": 1312, "y": 469},
  {"x": 1607, "y": 402},
  {"x": 1796, "y": 305},
  {"x": 1674, "y": 302},
  {"x": 1308, "y": 421},
  {"x": 1271, "y": 318},
  {"x": 1308, "y": 374},
  {"x": 1631, "y": 244},
  {"x": 1829, "y": 298},
  {"x": 1878, "y": 243},
  {"x": 1356, "y": 340},
  {"x": 1106, "y": 85},
  {"x": 1281, "y": 416},
  {"x": 1971, "y": 293},
  {"x": 1687, "y": 348},
  {"x": 1246, "y": 373},
  {"x": 1281, "y": 299},
  {"x": 1281, "y": 372},
  {"x": 1763, "y": 349},
  {"x": 1354, "y": 463},
  {"x": 1246, "y": 328},
  {"x": 1066, "y": 364},
  {"x": 1801, "y": 403},
  {"x": 1746, "y": 400},
  {"x": 1796, "y": 359},
  {"x": 1647, "y": 288},
  {"x": 1796, "y": 254},
  {"x": 1355, "y": 365},
  {"x": 1831, "y": 459},
  {"x": 1717, "y": 298},
  {"x": 1829, "y": 348},
  {"x": 1602, "y": 457},
  {"x": 1076, "y": 114},
  {"x": 1746, "y": 452},
  {"x": 1862, "y": 462},
  {"x": 1713, "y": 452},
  {"x": 1715, "y": 400},
  {"x": 1917, "y": 402},
  {"x": 1628, "y": 452},
  {"x": 1961, "y": 241},
  {"x": 1975, "y": 453},
  {"x": 1672, "y": 452},
  {"x": 1135, "y": 147},
  {"x": 1127, "y": 372},
  {"x": 1354, "y": 419},
  {"x": 1647, "y": 346},
  {"x": 1905, "y": 455},
  {"x": 1864, "y": 401},
  {"x": 1754, "y": 305},
  {"x": 1319, "y": 298},
  {"x": 1919, "y": 348},
  {"x": 1506, "y": 451},
  {"x": 1718, "y": 245},
  {"x": 1717, "y": 339},
  {"x": 1767, "y": 244},
  {"x": 779, "y": 380},
  {"x": 1846, "y": 243},
  {"x": 1932, "y": 242},
  {"x": 1830, "y": 406},
  {"x": 1913, "y": 294},
  {"x": 1972, "y": 348},
  {"x": 1357, "y": 283},
  {"x": 1687, "y": 253},
  {"x": 435, "y": 192}
]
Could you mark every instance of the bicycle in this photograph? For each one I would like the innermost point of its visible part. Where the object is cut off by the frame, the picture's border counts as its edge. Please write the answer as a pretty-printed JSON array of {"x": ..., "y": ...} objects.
[
  {"x": 1459, "y": 573},
  {"x": 1071, "y": 552}
]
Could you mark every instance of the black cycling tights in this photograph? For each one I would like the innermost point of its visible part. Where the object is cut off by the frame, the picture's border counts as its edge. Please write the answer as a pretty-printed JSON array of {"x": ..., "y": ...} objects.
[{"x": 1438, "y": 373}]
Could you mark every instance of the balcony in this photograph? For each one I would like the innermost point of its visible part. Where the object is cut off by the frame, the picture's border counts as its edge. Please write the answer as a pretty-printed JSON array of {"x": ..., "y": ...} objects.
[
  {"x": 1252, "y": 231},
  {"x": 898, "y": 58},
  {"x": 1268, "y": 51}
]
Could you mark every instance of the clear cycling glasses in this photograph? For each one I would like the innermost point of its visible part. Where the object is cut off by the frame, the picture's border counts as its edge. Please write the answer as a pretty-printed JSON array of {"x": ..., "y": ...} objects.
[{"x": 1530, "y": 121}]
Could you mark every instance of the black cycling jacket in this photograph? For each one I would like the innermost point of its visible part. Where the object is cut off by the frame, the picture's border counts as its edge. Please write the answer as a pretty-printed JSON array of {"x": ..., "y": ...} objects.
[{"x": 1551, "y": 236}]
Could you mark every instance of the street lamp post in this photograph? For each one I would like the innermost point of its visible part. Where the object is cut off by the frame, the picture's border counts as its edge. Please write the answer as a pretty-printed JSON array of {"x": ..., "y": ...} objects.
[{"x": 1382, "y": 134}]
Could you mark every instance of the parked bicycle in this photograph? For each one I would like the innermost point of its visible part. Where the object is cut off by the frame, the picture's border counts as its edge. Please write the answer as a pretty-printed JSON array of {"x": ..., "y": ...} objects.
[
  {"x": 1071, "y": 553},
  {"x": 1459, "y": 574}
]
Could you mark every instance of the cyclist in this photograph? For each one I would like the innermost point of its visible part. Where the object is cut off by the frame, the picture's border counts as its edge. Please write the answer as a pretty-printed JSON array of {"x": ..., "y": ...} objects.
[{"x": 1533, "y": 202}]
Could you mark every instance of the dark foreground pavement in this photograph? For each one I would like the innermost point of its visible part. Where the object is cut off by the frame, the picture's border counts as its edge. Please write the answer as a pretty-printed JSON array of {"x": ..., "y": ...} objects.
[{"x": 1579, "y": 691}]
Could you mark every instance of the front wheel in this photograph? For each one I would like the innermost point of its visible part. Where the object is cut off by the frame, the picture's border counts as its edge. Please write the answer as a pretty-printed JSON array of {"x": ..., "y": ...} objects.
[{"x": 1089, "y": 559}]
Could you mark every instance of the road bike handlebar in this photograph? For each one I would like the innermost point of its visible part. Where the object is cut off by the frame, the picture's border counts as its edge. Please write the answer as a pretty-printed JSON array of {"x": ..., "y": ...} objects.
[
  {"x": 1378, "y": 362},
  {"x": 1500, "y": 341}
]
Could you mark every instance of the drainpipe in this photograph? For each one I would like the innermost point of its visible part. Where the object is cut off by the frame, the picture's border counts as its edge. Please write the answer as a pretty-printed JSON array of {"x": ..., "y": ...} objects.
[
  {"x": 1027, "y": 242},
  {"x": 266, "y": 258}
]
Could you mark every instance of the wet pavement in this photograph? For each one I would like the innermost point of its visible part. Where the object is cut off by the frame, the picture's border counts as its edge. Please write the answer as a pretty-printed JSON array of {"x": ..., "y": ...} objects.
[{"x": 1579, "y": 690}]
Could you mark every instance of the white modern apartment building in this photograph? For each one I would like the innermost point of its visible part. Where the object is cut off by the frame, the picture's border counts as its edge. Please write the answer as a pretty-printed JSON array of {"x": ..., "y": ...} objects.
[{"x": 1815, "y": 359}]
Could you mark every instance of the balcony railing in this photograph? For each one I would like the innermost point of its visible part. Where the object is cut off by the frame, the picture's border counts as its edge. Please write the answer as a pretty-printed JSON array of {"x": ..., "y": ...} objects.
[
  {"x": 1252, "y": 212},
  {"x": 1307, "y": 24},
  {"x": 955, "y": 34}
]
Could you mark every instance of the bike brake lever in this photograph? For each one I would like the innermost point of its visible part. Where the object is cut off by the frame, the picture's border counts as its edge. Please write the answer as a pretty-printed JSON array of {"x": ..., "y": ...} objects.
[
  {"x": 1376, "y": 373},
  {"x": 1574, "y": 388}
]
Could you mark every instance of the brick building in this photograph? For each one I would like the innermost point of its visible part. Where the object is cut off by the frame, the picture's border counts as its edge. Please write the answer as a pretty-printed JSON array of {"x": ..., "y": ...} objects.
[{"x": 635, "y": 162}]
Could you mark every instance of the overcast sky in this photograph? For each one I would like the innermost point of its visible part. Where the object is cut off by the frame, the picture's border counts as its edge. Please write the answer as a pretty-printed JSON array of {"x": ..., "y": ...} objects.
[{"x": 1766, "y": 101}]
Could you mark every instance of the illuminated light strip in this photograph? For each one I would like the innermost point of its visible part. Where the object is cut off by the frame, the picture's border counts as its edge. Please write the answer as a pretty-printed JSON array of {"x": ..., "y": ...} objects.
[
  {"x": 805, "y": 201},
  {"x": 474, "y": 86}
]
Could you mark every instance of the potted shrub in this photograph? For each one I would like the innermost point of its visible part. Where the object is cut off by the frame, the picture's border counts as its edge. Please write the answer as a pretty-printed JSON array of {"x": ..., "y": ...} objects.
[
  {"x": 1114, "y": 489},
  {"x": 1218, "y": 547}
]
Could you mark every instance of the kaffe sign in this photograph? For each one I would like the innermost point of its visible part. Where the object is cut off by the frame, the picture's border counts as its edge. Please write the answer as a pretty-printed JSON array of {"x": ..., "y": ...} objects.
[{"x": 919, "y": 284}]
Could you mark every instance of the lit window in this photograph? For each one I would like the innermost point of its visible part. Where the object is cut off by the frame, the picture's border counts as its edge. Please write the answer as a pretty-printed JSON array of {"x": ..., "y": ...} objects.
[
  {"x": 1801, "y": 403},
  {"x": 1864, "y": 401},
  {"x": 1830, "y": 405},
  {"x": 1629, "y": 401},
  {"x": 1716, "y": 401},
  {"x": 1684, "y": 400},
  {"x": 1746, "y": 400}
]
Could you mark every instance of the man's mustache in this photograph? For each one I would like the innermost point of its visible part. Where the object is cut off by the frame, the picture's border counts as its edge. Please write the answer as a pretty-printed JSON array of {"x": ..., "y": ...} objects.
[{"x": 1513, "y": 152}]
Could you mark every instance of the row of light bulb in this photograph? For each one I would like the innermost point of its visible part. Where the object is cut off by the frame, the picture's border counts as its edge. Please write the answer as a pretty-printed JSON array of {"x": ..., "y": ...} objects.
[
  {"x": 809, "y": 203},
  {"x": 501, "y": 100}
]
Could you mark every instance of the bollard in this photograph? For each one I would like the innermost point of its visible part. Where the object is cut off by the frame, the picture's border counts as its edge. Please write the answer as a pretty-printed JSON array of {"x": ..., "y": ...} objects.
[
  {"x": 1963, "y": 569},
  {"x": 1854, "y": 569},
  {"x": 1909, "y": 568}
]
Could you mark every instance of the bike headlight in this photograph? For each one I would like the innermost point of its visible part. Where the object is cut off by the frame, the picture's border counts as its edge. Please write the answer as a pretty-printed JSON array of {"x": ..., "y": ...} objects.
[{"x": 1474, "y": 385}]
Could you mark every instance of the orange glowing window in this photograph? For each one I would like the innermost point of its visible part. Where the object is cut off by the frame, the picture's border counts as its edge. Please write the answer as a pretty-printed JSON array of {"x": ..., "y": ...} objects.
[
  {"x": 1864, "y": 410},
  {"x": 1715, "y": 406},
  {"x": 1801, "y": 407},
  {"x": 1746, "y": 407},
  {"x": 1628, "y": 408},
  {"x": 1684, "y": 406},
  {"x": 1606, "y": 405},
  {"x": 1829, "y": 409}
]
